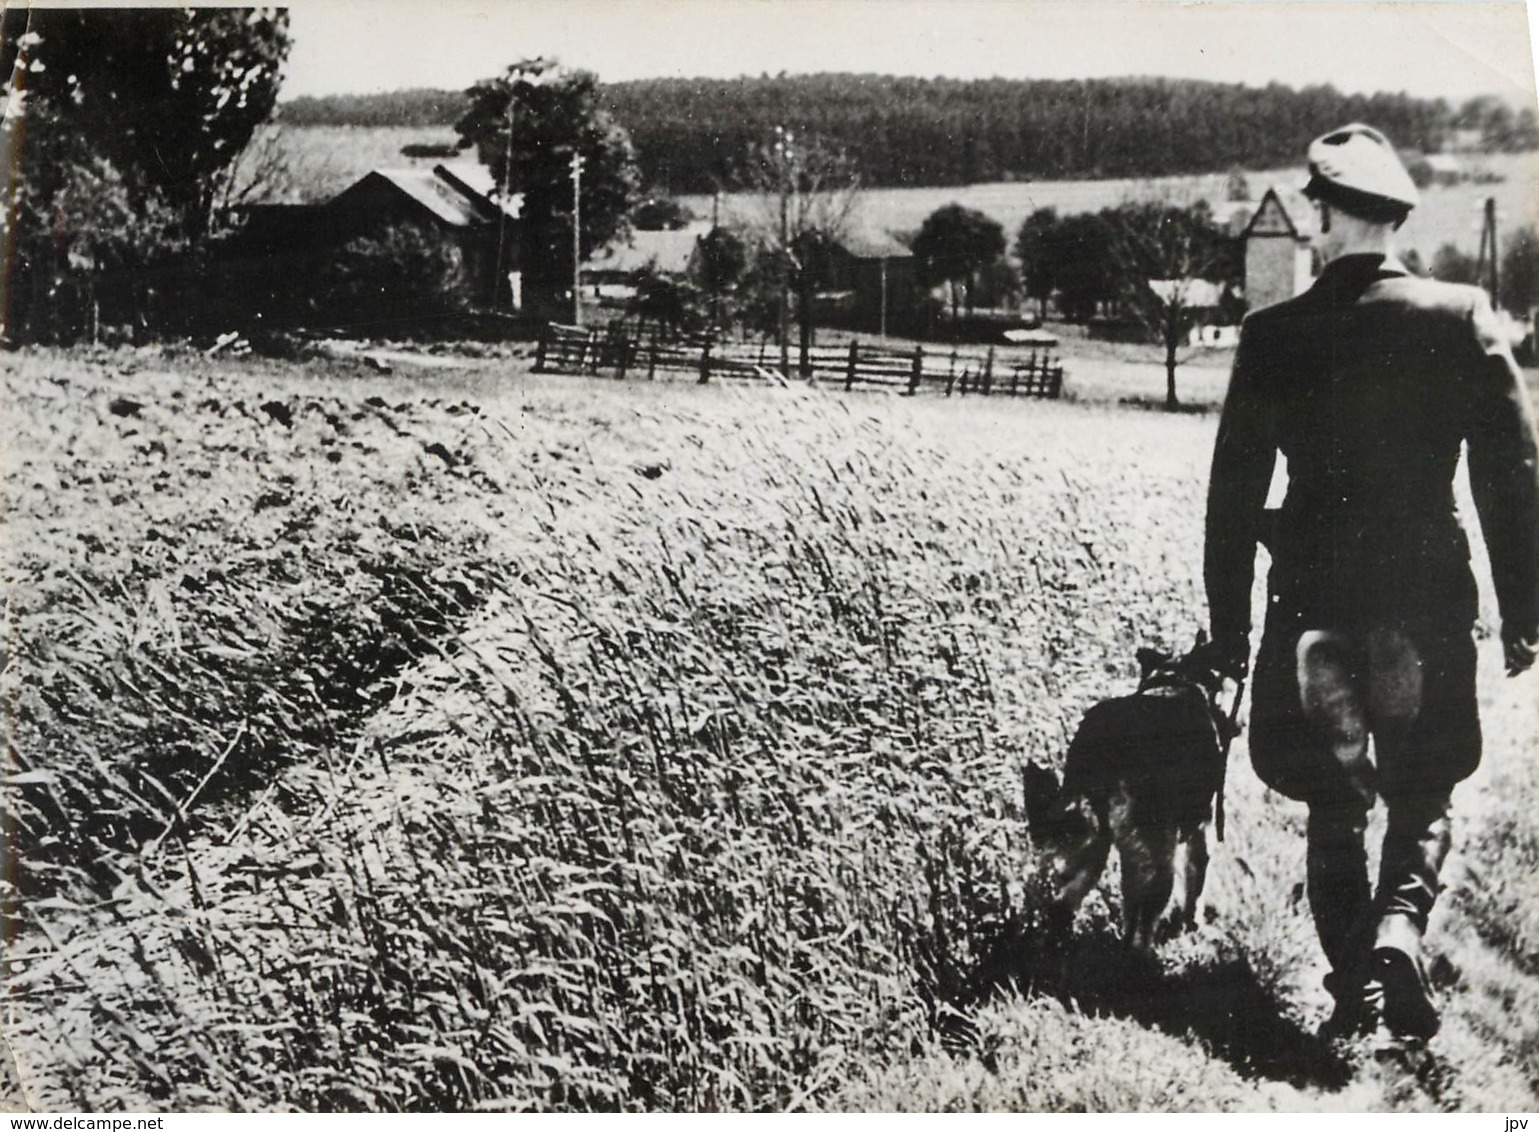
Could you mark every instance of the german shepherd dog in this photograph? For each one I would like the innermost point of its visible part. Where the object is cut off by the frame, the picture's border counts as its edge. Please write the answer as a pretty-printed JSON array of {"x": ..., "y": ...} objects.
[{"x": 1142, "y": 773}]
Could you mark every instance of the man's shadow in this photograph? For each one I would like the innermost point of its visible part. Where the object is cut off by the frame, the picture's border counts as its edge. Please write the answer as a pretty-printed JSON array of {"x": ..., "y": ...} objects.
[{"x": 1220, "y": 1001}]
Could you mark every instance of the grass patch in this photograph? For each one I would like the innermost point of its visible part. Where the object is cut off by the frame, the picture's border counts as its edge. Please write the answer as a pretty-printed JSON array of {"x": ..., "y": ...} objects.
[{"x": 603, "y": 746}]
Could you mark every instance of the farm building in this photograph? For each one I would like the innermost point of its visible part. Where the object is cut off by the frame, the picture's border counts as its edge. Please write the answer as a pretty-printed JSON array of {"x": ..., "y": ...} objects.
[
  {"x": 1278, "y": 258},
  {"x": 451, "y": 210},
  {"x": 872, "y": 283},
  {"x": 1442, "y": 169},
  {"x": 610, "y": 275},
  {"x": 454, "y": 202}
]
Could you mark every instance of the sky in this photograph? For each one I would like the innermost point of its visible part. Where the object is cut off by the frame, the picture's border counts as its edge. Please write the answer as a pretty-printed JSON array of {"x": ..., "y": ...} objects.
[{"x": 1436, "y": 48}]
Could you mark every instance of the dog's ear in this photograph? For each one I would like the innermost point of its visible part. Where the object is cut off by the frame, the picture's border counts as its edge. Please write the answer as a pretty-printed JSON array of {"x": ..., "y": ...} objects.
[
  {"x": 1041, "y": 788},
  {"x": 1150, "y": 660}
]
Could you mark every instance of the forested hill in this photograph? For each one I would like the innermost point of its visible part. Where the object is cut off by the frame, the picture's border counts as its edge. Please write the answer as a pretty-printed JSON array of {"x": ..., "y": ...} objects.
[{"x": 910, "y": 131}]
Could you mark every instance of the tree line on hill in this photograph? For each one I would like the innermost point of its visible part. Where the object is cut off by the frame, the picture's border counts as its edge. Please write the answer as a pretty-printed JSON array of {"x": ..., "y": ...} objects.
[{"x": 691, "y": 134}]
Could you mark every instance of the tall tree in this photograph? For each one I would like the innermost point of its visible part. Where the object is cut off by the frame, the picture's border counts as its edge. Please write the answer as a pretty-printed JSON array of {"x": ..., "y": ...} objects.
[
  {"x": 953, "y": 244},
  {"x": 121, "y": 132},
  {"x": 1079, "y": 251},
  {"x": 527, "y": 125},
  {"x": 805, "y": 194},
  {"x": 1453, "y": 265},
  {"x": 1172, "y": 263},
  {"x": 1520, "y": 273},
  {"x": 1031, "y": 248},
  {"x": 719, "y": 267}
]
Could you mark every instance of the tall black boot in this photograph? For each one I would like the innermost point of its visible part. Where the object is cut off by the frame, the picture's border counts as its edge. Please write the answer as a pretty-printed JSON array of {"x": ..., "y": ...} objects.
[
  {"x": 1341, "y": 902},
  {"x": 1415, "y": 847}
]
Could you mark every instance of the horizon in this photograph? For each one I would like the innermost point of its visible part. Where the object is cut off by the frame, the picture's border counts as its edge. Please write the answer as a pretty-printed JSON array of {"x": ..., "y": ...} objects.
[
  {"x": 1450, "y": 49},
  {"x": 1127, "y": 78}
]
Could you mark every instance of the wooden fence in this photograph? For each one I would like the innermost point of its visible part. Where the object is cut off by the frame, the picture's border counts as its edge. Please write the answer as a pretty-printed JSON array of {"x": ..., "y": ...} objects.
[{"x": 572, "y": 349}]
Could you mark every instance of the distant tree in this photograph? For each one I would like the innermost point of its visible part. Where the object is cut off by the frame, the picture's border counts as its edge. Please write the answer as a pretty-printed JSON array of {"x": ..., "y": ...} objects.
[
  {"x": 668, "y": 302},
  {"x": 527, "y": 124},
  {"x": 721, "y": 260},
  {"x": 906, "y": 132},
  {"x": 1420, "y": 170},
  {"x": 139, "y": 114},
  {"x": 1524, "y": 137},
  {"x": 1452, "y": 265},
  {"x": 660, "y": 214},
  {"x": 1079, "y": 257},
  {"x": 1032, "y": 248},
  {"x": 953, "y": 244},
  {"x": 1520, "y": 272},
  {"x": 719, "y": 267},
  {"x": 1167, "y": 258},
  {"x": 804, "y": 195},
  {"x": 999, "y": 284},
  {"x": 420, "y": 107}
]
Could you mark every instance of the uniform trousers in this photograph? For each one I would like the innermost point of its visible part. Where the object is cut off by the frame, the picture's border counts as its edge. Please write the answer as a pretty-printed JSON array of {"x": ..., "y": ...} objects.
[{"x": 1321, "y": 694}]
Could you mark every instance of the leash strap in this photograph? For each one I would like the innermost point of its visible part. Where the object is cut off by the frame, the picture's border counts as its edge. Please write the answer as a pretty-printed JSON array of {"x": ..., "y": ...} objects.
[{"x": 1223, "y": 773}]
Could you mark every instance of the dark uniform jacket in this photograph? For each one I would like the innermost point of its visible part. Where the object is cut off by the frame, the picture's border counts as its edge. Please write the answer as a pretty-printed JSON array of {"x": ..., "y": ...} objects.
[{"x": 1369, "y": 383}]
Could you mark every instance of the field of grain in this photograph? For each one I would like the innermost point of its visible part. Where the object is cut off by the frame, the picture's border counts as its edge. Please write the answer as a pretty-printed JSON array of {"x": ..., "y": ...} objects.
[
  {"x": 476, "y": 740},
  {"x": 321, "y": 161}
]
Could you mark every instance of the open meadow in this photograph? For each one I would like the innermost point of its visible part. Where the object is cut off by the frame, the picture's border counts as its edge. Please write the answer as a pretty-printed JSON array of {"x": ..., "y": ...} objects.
[{"x": 462, "y": 738}]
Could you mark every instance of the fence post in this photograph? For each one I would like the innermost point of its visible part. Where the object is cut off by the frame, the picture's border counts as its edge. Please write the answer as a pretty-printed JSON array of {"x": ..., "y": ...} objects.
[
  {"x": 918, "y": 371},
  {"x": 705, "y": 362},
  {"x": 988, "y": 373},
  {"x": 624, "y": 363},
  {"x": 951, "y": 374},
  {"x": 652, "y": 360},
  {"x": 1057, "y": 383},
  {"x": 539, "y": 354},
  {"x": 849, "y": 373}
]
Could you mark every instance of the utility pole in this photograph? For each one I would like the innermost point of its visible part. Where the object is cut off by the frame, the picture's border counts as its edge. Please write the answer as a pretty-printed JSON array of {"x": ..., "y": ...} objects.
[
  {"x": 1488, "y": 246},
  {"x": 501, "y": 280},
  {"x": 883, "y": 262},
  {"x": 783, "y": 155},
  {"x": 577, "y": 239}
]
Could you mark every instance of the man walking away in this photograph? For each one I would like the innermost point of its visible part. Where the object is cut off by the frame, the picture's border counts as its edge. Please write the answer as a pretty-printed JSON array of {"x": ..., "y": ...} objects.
[{"x": 1369, "y": 384}]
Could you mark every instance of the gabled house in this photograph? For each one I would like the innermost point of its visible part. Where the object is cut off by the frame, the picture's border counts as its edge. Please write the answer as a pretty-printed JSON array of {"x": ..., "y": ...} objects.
[
  {"x": 1279, "y": 262},
  {"x": 279, "y": 248},
  {"x": 457, "y": 202},
  {"x": 873, "y": 281}
]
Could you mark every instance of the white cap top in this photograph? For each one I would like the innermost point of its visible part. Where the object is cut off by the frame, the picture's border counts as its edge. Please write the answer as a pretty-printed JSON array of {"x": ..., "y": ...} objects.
[{"x": 1359, "y": 159}]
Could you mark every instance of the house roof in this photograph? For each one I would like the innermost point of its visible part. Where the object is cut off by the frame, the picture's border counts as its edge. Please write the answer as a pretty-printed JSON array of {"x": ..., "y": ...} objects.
[
  {"x": 669, "y": 251},
  {"x": 1188, "y": 292},
  {"x": 1275, "y": 216},
  {"x": 474, "y": 178},
  {"x": 1443, "y": 163},
  {"x": 874, "y": 243},
  {"x": 453, "y": 194}
]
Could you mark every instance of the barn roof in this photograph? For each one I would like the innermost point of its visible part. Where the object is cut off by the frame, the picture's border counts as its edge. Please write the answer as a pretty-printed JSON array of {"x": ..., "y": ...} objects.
[
  {"x": 865, "y": 242},
  {"x": 1188, "y": 292},
  {"x": 459, "y": 195},
  {"x": 670, "y": 251},
  {"x": 1443, "y": 163}
]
